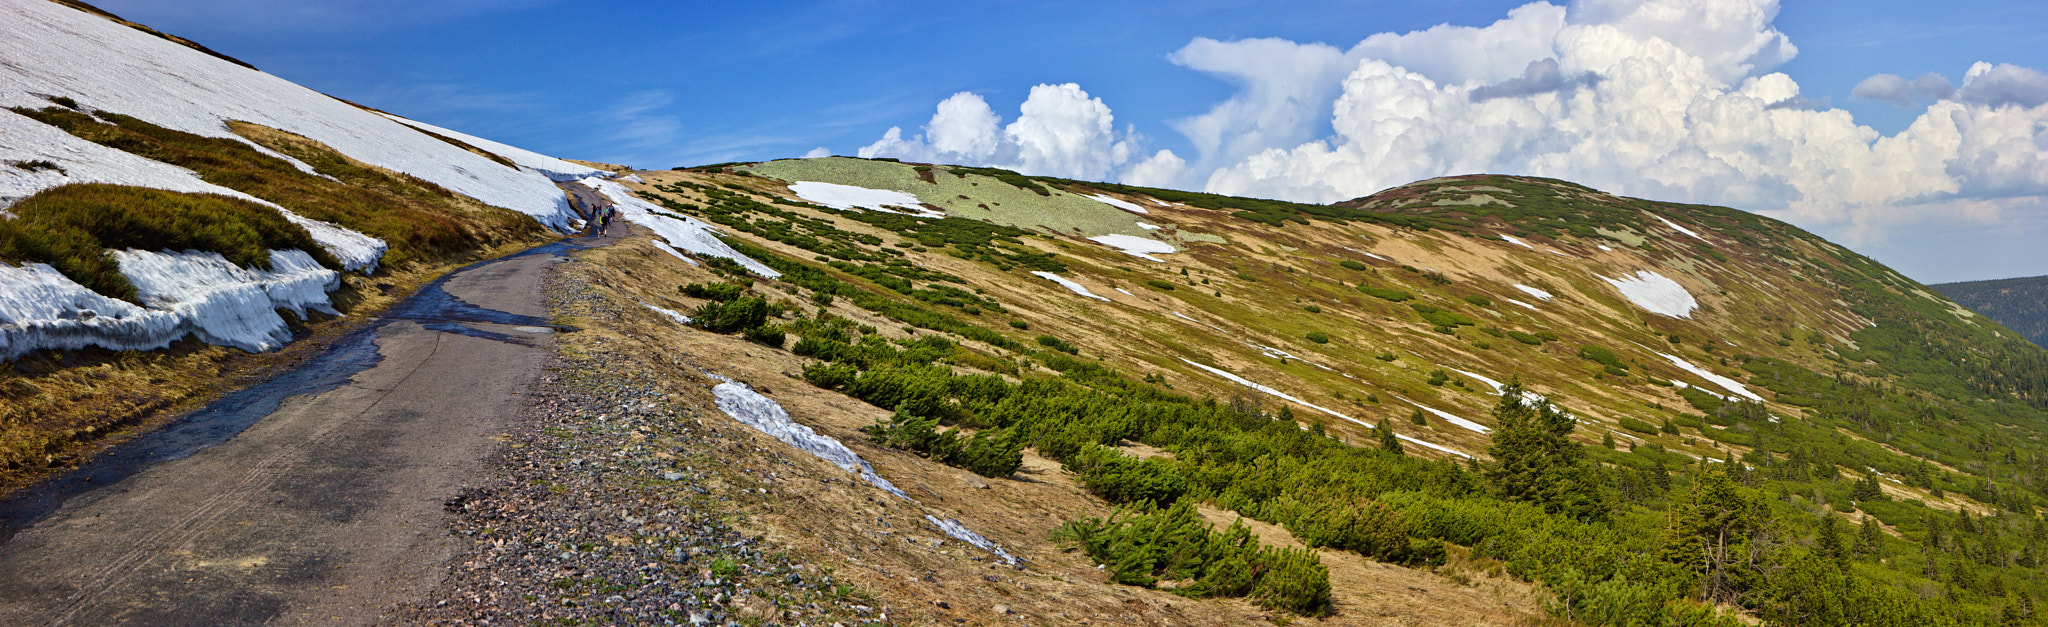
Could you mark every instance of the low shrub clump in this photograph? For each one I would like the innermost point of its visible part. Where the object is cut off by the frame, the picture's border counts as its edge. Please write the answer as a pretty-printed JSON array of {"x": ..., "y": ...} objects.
[{"x": 1147, "y": 546}]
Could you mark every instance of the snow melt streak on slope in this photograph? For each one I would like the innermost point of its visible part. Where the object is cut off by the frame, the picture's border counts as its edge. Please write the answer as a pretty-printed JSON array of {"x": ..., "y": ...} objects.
[
  {"x": 1284, "y": 396},
  {"x": 1681, "y": 229},
  {"x": 1119, "y": 203},
  {"x": 1449, "y": 417},
  {"x": 1071, "y": 286},
  {"x": 1656, "y": 294},
  {"x": 742, "y": 403},
  {"x": 53, "y": 50},
  {"x": 686, "y": 233},
  {"x": 1539, "y": 294},
  {"x": 1726, "y": 383}
]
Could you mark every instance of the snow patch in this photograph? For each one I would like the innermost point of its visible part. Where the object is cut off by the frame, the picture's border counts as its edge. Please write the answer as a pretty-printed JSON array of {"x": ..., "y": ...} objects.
[
  {"x": 54, "y": 50},
  {"x": 1070, "y": 285},
  {"x": 1517, "y": 302},
  {"x": 1603, "y": 247},
  {"x": 1512, "y": 240},
  {"x": 1656, "y": 294},
  {"x": 1149, "y": 227},
  {"x": 671, "y": 313},
  {"x": 1119, "y": 203},
  {"x": 849, "y": 197},
  {"x": 1126, "y": 292},
  {"x": 682, "y": 232},
  {"x": 742, "y": 403},
  {"x": 1674, "y": 225},
  {"x": 1539, "y": 294},
  {"x": 1135, "y": 246}
]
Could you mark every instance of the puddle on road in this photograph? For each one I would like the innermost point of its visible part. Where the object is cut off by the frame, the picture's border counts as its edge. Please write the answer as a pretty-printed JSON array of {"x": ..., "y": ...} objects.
[{"x": 227, "y": 417}]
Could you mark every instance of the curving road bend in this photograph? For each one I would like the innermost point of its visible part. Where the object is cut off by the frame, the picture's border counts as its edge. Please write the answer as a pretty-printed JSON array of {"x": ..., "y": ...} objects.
[{"x": 322, "y": 512}]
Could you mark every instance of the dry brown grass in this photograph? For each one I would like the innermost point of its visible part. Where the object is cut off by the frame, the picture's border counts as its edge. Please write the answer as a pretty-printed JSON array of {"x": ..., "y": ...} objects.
[{"x": 881, "y": 544}]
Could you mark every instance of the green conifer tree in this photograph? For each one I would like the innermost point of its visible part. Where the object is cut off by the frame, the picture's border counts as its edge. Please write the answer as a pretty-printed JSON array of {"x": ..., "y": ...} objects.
[
  {"x": 1388, "y": 441},
  {"x": 1535, "y": 460}
]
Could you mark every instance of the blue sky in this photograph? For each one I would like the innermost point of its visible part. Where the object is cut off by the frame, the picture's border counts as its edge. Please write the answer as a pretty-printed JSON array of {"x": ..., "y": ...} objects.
[{"x": 657, "y": 85}]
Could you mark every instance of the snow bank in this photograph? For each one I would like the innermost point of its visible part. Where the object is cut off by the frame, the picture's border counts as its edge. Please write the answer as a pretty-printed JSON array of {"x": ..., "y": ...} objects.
[
  {"x": 1449, "y": 417},
  {"x": 671, "y": 313},
  {"x": 1070, "y": 285},
  {"x": 742, "y": 403},
  {"x": 851, "y": 197},
  {"x": 184, "y": 293},
  {"x": 41, "y": 308},
  {"x": 1656, "y": 294},
  {"x": 1539, "y": 294},
  {"x": 1284, "y": 396},
  {"x": 1135, "y": 246},
  {"x": 355, "y": 251},
  {"x": 226, "y": 304},
  {"x": 53, "y": 50},
  {"x": 1119, "y": 203},
  {"x": 1512, "y": 240},
  {"x": 682, "y": 232},
  {"x": 555, "y": 169},
  {"x": 1726, "y": 383},
  {"x": 1681, "y": 229}
]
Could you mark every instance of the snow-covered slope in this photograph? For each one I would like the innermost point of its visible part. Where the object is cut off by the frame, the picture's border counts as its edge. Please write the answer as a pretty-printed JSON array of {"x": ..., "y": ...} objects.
[
  {"x": 555, "y": 169},
  {"x": 56, "y": 51}
]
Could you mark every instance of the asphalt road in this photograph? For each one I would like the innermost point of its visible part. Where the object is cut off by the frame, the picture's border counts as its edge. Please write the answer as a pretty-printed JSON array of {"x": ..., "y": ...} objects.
[{"x": 323, "y": 512}]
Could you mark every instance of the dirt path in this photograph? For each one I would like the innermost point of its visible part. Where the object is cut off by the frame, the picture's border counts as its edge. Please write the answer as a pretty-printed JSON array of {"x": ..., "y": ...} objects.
[{"x": 327, "y": 510}]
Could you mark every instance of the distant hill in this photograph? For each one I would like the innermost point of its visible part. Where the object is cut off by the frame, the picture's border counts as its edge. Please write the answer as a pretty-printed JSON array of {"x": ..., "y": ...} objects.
[{"x": 2019, "y": 304}]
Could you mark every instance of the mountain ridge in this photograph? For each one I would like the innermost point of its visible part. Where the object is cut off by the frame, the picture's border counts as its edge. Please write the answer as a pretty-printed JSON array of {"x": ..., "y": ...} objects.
[{"x": 1525, "y": 398}]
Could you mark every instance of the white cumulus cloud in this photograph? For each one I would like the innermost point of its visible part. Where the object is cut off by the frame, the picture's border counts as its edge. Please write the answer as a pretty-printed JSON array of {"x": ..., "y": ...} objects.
[
  {"x": 1060, "y": 131},
  {"x": 1666, "y": 99}
]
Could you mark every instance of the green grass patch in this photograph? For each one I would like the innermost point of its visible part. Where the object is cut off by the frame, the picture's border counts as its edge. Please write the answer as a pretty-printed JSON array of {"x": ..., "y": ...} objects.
[{"x": 70, "y": 227}]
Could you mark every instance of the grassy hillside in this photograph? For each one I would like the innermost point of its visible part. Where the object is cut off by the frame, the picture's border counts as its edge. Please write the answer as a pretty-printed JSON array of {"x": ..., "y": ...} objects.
[
  {"x": 2019, "y": 304},
  {"x": 1885, "y": 471}
]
